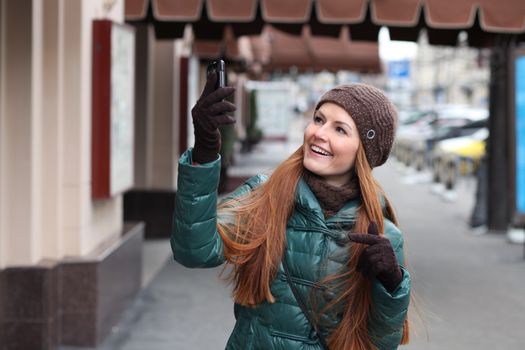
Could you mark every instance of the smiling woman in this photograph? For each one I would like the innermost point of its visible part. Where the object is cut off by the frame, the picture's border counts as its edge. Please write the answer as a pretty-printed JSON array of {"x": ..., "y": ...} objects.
[
  {"x": 330, "y": 144},
  {"x": 316, "y": 257}
]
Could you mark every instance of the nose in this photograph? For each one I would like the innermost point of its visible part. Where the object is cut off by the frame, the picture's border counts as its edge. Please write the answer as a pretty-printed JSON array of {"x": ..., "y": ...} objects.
[{"x": 320, "y": 133}]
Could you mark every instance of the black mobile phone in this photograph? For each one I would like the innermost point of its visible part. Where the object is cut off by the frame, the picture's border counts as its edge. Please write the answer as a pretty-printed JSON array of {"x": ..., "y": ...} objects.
[{"x": 218, "y": 66}]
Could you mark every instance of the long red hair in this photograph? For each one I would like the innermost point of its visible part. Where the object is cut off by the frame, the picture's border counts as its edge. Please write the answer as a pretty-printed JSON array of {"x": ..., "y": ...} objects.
[{"x": 254, "y": 237}]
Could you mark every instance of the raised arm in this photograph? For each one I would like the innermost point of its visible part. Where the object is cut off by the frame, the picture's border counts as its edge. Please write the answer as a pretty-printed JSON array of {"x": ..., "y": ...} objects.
[{"x": 195, "y": 241}]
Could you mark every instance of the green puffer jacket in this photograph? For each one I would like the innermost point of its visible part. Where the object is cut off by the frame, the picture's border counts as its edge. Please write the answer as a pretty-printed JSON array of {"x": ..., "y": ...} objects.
[{"x": 316, "y": 248}]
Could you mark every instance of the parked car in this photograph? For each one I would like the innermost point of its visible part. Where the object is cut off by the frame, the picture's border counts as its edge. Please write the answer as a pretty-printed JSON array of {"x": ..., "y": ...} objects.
[
  {"x": 409, "y": 130},
  {"x": 458, "y": 156},
  {"x": 416, "y": 140}
]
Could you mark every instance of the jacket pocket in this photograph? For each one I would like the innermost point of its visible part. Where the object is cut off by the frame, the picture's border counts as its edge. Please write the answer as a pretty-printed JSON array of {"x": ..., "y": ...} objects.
[
  {"x": 293, "y": 337},
  {"x": 301, "y": 282}
]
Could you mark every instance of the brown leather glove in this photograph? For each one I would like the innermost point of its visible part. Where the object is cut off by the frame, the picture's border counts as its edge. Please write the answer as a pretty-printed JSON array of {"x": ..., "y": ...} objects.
[
  {"x": 208, "y": 114},
  {"x": 378, "y": 259}
]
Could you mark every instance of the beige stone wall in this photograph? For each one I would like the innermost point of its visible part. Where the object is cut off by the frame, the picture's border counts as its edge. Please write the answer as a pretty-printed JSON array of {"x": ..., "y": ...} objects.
[
  {"x": 46, "y": 210},
  {"x": 17, "y": 169}
]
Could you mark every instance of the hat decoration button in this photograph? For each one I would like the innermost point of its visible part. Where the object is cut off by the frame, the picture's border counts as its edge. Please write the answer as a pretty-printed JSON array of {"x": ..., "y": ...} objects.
[{"x": 370, "y": 134}]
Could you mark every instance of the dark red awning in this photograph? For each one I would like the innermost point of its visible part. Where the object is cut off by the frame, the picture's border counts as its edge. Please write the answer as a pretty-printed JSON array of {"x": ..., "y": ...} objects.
[
  {"x": 334, "y": 27},
  {"x": 343, "y": 54},
  {"x": 312, "y": 53},
  {"x": 502, "y": 16}
]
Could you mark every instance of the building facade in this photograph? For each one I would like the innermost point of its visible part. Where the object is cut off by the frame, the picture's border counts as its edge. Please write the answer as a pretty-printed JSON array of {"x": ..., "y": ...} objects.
[{"x": 71, "y": 263}]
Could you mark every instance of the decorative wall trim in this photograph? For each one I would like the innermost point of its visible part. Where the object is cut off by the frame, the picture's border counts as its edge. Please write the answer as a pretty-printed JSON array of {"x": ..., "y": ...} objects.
[{"x": 72, "y": 302}]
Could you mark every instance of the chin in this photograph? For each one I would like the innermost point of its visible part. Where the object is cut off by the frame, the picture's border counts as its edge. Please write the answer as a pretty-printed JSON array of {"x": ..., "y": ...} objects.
[{"x": 317, "y": 169}]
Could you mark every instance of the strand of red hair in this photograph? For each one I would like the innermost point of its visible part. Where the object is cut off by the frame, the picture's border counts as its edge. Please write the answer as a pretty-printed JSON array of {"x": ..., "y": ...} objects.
[{"x": 254, "y": 244}]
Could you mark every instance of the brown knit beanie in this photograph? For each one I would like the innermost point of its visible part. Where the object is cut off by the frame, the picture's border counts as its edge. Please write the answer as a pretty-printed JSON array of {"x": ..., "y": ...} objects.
[{"x": 374, "y": 115}]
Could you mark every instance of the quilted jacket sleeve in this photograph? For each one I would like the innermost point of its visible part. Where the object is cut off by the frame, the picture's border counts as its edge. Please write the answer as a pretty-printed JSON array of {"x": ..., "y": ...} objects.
[
  {"x": 389, "y": 310},
  {"x": 195, "y": 241}
]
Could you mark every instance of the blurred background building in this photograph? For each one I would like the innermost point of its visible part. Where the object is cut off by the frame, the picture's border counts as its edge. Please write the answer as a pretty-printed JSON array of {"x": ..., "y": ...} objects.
[{"x": 95, "y": 100}]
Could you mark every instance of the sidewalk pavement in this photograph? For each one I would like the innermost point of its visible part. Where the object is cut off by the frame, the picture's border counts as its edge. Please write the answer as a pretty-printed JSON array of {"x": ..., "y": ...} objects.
[{"x": 470, "y": 286}]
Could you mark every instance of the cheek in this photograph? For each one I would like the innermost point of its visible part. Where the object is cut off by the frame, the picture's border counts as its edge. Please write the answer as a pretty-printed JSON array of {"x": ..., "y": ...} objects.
[
  {"x": 308, "y": 131},
  {"x": 354, "y": 147},
  {"x": 349, "y": 149}
]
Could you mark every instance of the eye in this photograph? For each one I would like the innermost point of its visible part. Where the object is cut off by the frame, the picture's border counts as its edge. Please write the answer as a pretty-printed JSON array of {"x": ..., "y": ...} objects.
[
  {"x": 340, "y": 130},
  {"x": 318, "y": 119}
]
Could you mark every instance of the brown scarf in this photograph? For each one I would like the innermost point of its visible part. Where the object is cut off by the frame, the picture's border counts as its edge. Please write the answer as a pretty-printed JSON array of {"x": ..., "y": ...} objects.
[{"x": 331, "y": 198}]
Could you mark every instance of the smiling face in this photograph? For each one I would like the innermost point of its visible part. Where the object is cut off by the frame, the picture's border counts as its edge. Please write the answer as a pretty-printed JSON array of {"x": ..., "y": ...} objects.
[{"x": 331, "y": 141}]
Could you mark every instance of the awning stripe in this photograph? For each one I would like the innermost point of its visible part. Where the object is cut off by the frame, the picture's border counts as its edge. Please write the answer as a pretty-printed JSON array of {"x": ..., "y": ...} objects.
[
  {"x": 338, "y": 12},
  {"x": 445, "y": 14},
  {"x": 286, "y": 11},
  {"x": 341, "y": 53},
  {"x": 402, "y": 13},
  {"x": 237, "y": 11},
  {"x": 135, "y": 9},
  {"x": 307, "y": 52},
  {"x": 170, "y": 10},
  {"x": 503, "y": 16}
]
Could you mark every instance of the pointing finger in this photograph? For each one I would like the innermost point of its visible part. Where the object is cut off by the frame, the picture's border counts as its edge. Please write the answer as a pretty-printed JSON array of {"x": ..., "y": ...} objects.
[
  {"x": 372, "y": 228},
  {"x": 368, "y": 239}
]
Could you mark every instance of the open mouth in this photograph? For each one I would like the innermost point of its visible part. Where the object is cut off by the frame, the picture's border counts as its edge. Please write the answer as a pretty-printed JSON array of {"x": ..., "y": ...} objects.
[{"x": 319, "y": 150}]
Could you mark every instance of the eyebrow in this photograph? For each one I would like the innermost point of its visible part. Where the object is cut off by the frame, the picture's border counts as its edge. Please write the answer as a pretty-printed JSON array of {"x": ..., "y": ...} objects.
[{"x": 336, "y": 122}]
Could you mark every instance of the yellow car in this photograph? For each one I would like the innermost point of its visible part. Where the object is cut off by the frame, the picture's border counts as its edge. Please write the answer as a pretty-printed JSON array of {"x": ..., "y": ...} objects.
[{"x": 458, "y": 156}]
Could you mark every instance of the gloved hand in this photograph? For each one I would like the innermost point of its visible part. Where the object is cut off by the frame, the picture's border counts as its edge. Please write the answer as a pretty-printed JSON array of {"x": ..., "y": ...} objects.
[
  {"x": 378, "y": 259},
  {"x": 208, "y": 114}
]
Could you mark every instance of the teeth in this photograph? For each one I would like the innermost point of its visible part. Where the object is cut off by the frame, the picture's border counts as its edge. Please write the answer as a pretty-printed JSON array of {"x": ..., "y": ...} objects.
[{"x": 319, "y": 150}]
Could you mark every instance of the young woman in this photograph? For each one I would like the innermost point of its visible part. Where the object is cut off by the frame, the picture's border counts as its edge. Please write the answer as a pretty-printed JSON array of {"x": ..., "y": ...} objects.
[{"x": 315, "y": 254}]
